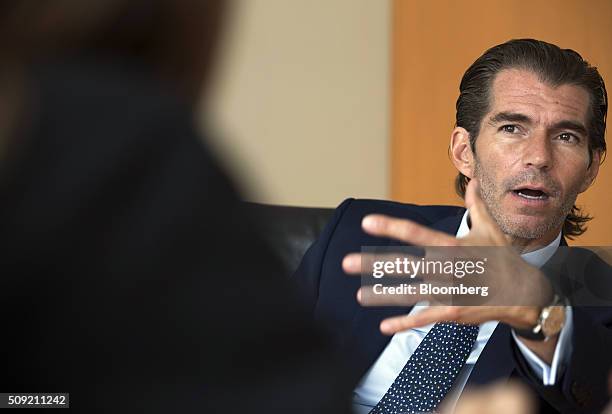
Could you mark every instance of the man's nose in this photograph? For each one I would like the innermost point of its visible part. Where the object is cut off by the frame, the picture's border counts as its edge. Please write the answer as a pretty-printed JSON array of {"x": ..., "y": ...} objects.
[{"x": 538, "y": 152}]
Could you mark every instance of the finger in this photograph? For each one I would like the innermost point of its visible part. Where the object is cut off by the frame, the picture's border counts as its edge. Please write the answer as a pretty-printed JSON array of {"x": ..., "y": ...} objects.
[
  {"x": 510, "y": 398},
  {"x": 380, "y": 295},
  {"x": 433, "y": 314},
  {"x": 405, "y": 230},
  {"x": 501, "y": 398},
  {"x": 351, "y": 263},
  {"x": 472, "y": 193},
  {"x": 474, "y": 203},
  {"x": 430, "y": 315},
  {"x": 387, "y": 264}
]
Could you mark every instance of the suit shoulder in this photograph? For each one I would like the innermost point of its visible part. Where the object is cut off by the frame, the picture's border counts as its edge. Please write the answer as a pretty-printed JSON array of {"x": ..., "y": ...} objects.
[{"x": 425, "y": 214}]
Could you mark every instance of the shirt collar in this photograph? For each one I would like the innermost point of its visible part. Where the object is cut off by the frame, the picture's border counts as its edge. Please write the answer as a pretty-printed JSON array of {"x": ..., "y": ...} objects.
[{"x": 535, "y": 258}]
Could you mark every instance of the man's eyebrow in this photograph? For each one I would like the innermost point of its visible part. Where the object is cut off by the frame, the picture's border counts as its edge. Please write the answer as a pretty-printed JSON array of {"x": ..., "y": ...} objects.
[
  {"x": 509, "y": 117},
  {"x": 573, "y": 125}
]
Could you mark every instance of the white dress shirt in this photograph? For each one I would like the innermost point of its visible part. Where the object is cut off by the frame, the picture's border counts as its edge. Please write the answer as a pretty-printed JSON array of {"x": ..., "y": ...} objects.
[{"x": 402, "y": 345}]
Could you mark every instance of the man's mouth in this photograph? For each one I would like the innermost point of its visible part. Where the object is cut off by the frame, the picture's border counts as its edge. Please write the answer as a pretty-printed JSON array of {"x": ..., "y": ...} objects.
[{"x": 531, "y": 193}]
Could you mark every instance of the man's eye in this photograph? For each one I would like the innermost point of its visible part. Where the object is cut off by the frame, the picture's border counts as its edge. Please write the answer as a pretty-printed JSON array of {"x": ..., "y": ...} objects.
[
  {"x": 567, "y": 137},
  {"x": 510, "y": 129}
]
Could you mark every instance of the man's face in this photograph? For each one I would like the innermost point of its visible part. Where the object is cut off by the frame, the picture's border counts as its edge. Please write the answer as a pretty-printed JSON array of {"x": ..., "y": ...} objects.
[{"x": 532, "y": 155}]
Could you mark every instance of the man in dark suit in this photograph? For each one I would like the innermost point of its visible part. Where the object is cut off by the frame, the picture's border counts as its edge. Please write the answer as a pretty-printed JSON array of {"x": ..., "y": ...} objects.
[{"x": 529, "y": 138}]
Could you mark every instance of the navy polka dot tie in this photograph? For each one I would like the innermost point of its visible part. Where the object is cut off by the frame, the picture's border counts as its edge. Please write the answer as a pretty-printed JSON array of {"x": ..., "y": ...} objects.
[{"x": 430, "y": 371}]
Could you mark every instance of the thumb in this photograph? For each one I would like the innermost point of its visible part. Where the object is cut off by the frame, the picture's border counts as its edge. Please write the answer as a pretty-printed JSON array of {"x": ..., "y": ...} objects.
[
  {"x": 473, "y": 201},
  {"x": 479, "y": 214}
]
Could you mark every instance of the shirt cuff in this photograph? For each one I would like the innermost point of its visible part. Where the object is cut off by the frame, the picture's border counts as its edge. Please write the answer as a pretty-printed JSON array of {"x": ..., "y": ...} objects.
[{"x": 549, "y": 374}]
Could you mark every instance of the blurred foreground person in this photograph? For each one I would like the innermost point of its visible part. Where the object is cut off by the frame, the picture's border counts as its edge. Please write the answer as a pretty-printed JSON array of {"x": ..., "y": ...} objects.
[
  {"x": 608, "y": 409},
  {"x": 130, "y": 278},
  {"x": 500, "y": 398}
]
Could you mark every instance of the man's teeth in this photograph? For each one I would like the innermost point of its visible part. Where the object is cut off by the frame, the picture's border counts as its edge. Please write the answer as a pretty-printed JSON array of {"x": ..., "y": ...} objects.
[{"x": 532, "y": 197}]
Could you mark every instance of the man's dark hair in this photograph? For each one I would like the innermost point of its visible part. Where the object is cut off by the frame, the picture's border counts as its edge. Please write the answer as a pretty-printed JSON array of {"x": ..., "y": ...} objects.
[{"x": 554, "y": 66}]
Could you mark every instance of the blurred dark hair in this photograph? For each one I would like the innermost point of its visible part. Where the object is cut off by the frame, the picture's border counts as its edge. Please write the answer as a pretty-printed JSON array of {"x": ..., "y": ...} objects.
[
  {"x": 554, "y": 66},
  {"x": 174, "y": 38}
]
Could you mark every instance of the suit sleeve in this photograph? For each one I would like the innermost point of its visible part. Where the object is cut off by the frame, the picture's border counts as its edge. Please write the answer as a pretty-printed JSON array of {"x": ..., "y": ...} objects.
[
  {"x": 308, "y": 274},
  {"x": 549, "y": 373},
  {"x": 583, "y": 386}
]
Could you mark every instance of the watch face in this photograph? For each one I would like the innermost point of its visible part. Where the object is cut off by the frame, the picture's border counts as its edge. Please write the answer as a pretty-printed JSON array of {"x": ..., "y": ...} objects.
[{"x": 554, "y": 321}]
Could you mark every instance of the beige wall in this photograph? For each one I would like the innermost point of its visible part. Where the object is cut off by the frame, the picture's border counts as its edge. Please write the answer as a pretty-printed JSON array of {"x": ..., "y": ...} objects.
[{"x": 302, "y": 99}]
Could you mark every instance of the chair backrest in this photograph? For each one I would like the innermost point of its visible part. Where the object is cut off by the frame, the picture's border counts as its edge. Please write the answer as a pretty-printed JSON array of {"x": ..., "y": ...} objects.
[{"x": 289, "y": 230}]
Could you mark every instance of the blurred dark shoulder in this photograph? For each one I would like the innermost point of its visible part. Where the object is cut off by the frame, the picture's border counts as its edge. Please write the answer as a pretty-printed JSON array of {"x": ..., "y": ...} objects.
[
  {"x": 99, "y": 138},
  {"x": 100, "y": 101},
  {"x": 129, "y": 265}
]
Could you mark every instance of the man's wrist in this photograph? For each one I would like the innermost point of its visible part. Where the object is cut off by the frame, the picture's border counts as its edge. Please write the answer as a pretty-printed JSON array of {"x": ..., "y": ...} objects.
[
  {"x": 524, "y": 317},
  {"x": 549, "y": 323},
  {"x": 527, "y": 316}
]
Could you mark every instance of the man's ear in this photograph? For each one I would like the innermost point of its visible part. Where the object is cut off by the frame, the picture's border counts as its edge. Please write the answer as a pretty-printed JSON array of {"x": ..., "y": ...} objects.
[
  {"x": 461, "y": 151},
  {"x": 591, "y": 171}
]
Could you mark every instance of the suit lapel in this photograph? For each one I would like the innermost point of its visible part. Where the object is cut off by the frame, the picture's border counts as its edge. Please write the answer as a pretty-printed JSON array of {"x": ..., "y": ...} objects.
[
  {"x": 496, "y": 361},
  {"x": 449, "y": 224}
]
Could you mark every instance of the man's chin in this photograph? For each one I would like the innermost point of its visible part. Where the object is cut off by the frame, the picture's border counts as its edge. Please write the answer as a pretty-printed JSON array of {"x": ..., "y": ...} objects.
[
  {"x": 526, "y": 221},
  {"x": 528, "y": 227}
]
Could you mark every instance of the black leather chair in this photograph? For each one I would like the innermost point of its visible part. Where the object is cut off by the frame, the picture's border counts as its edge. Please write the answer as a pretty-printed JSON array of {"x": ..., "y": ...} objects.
[{"x": 289, "y": 230}]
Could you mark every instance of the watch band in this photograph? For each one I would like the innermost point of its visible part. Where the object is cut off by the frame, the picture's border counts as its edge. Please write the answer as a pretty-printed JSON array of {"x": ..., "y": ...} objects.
[
  {"x": 531, "y": 333},
  {"x": 536, "y": 333}
]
